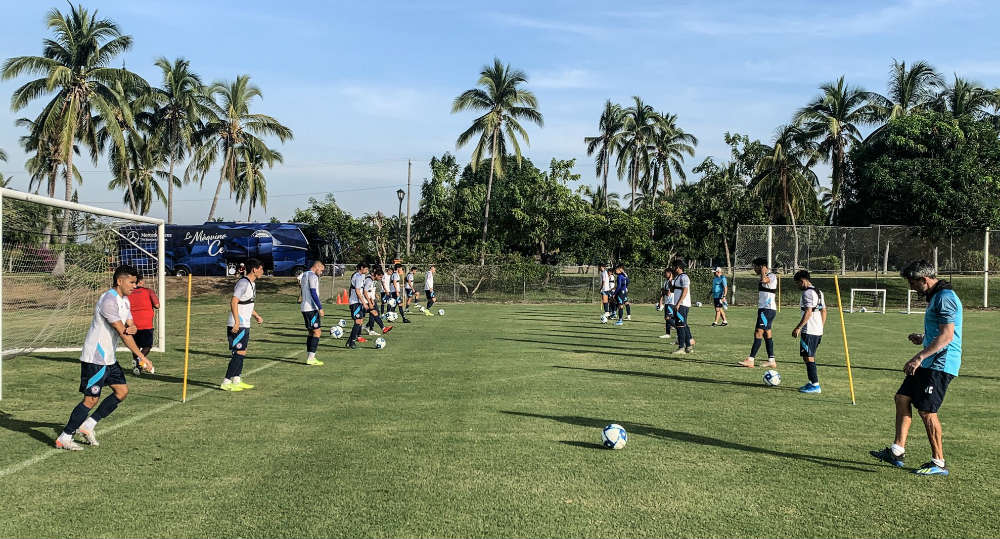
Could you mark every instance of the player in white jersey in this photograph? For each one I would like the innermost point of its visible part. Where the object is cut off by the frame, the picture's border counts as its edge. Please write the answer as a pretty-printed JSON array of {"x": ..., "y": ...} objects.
[
  {"x": 412, "y": 296},
  {"x": 429, "y": 289},
  {"x": 312, "y": 310},
  {"x": 98, "y": 366},
  {"x": 810, "y": 327},
  {"x": 606, "y": 288},
  {"x": 666, "y": 303},
  {"x": 359, "y": 304},
  {"x": 241, "y": 310},
  {"x": 373, "y": 314},
  {"x": 386, "y": 281},
  {"x": 682, "y": 295},
  {"x": 766, "y": 310},
  {"x": 397, "y": 290}
]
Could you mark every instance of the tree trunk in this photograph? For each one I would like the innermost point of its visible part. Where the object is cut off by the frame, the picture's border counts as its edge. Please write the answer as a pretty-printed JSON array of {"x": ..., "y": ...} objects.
[
  {"x": 725, "y": 245},
  {"x": 170, "y": 192},
  {"x": 489, "y": 191},
  {"x": 218, "y": 188},
  {"x": 633, "y": 180},
  {"x": 49, "y": 219},
  {"x": 838, "y": 178},
  {"x": 607, "y": 198}
]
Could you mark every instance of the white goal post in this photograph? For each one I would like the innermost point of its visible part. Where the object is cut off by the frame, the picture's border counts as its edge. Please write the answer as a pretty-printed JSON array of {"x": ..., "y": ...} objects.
[
  {"x": 868, "y": 299},
  {"x": 915, "y": 303},
  {"x": 50, "y": 278}
]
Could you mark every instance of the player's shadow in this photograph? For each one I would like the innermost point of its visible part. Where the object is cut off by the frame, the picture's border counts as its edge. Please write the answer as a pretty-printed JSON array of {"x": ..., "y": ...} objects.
[
  {"x": 167, "y": 379},
  {"x": 639, "y": 429},
  {"x": 35, "y": 429},
  {"x": 677, "y": 377},
  {"x": 584, "y": 445},
  {"x": 67, "y": 359}
]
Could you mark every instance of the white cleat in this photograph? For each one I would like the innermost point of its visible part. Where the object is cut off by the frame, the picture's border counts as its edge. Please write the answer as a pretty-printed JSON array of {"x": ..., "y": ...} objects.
[
  {"x": 87, "y": 431},
  {"x": 629, "y": 318},
  {"x": 67, "y": 443},
  {"x": 667, "y": 336}
]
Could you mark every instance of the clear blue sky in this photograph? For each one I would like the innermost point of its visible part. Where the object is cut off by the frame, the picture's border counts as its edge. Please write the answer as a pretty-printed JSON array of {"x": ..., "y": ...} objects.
[{"x": 367, "y": 85}]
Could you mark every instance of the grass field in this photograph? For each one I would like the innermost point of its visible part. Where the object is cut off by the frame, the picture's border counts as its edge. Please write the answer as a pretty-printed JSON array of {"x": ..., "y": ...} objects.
[{"x": 486, "y": 422}]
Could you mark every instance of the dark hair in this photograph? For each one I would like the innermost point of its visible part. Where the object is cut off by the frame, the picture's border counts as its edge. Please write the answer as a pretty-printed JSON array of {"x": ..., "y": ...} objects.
[
  {"x": 398, "y": 266},
  {"x": 316, "y": 262},
  {"x": 251, "y": 264},
  {"x": 362, "y": 265},
  {"x": 760, "y": 262},
  {"x": 413, "y": 268},
  {"x": 377, "y": 270},
  {"x": 620, "y": 266},
  {"x": 918, "y": 269},
  {"x": 123, "y": 270},
  {"x": 601, "y": 266},
  {"x": 677, "y": 263},
  {"x": 801, "y": 274}
]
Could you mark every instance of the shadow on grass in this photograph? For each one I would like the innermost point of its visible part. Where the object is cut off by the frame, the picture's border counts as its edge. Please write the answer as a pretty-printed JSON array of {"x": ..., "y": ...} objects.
[
  {"x": 583, "y": 445},
  {"x": 35, "y": 429},
  {"x": 677, "y": 377},
  {"x": 687, "y": 437}
]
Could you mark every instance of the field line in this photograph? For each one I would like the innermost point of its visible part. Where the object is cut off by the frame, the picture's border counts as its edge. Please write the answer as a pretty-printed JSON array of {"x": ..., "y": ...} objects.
[{"x": 14, "y": 468}]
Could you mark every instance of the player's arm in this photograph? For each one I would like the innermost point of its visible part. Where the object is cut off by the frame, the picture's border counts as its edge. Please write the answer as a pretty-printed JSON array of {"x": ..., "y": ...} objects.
[
  {"x": 257, "y": 317},
  {"x": 946, "y": 333},
  {"x": 154, "y": 299},
  {"x": 234, "y": 308},
  {"x": 129, "y": 341},
  {"x": 362, "y": 297},
  {"x": 765, "y": 277},
  {"x": 725, "y": 289},
  {"x": 805, "y": 316},
  {"x": 314, "y": 293}
]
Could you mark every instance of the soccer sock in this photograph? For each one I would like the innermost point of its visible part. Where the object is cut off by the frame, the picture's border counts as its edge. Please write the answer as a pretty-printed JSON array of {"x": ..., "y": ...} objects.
[
  {"x": 76, "y": 418},
  {"x": 769, "y": 344},
  {"x": 896, "y": 449},
  {"x": 313, "y": 344},
  {"x": 666, "y": 326},
  {"x": 107, "y": 406},
  {"x": 687, "y": 336},
  {"x": 811, "y": 372},
  {"x": 628, "y": 309},
  {"x": 620, "y": 310},
  {"x": 938, "y": 462},
  {"x": 378, "y": 320},
  {"x": 399, "y": 306},
  {"x": 755, "y": 348},
  {"x": 355, "y": 331},
  {"x": 371, "y": 321},
  {"x": 235, "y": 366}
]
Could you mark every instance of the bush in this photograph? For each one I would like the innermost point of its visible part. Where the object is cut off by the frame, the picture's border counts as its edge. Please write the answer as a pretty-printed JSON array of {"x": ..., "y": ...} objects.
[{"x": 824, "y": 263}]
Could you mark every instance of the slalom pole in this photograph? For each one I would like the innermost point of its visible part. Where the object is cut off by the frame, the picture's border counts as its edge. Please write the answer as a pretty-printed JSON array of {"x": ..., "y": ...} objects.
[
  {"x": 843, "y": 333},
  {"x": 187, "y": 342}
]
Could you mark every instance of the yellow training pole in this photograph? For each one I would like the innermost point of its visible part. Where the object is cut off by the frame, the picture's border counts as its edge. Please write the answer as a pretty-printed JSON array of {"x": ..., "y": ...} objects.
[
  {"x": 187, "y": 341},
  {"x": 843, "y": 332}
]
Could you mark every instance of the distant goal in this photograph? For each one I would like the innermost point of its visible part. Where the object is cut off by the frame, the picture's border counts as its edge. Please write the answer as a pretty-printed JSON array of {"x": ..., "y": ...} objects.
[
  {"x": 915, "y": 303},
  {"x": 867, "y": 300}
]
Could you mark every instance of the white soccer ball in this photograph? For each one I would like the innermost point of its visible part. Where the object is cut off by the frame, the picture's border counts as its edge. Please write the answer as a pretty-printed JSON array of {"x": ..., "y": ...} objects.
[
  {"x": 391, "y": 316},
  {"x": 440, "y": 312},
  {"x": 342, "y": 323},
  {"x": 380, "y": 343},
  {"x": 604, "y": 318},
  {"x": 772, "y": 378},
  {"x": 697, "y": 304},
  {"x": 659, "y": 308},
  {"x": 391, "y": 303},
  {"x": 336, "y": 332},
  {"x": 864, "y": 310},
  {"x": 614, "y": 436}
]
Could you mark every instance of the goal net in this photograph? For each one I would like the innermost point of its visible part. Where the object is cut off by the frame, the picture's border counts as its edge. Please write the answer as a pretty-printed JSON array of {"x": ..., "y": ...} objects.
[
  {"x": 867, "y": 300},
  {"x": 57, "y": 258},
  {"x": 915, "y": 302}
]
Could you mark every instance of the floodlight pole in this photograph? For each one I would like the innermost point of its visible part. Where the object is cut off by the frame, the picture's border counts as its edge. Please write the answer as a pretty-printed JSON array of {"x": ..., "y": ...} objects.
[{"x": 399, "y": 224}]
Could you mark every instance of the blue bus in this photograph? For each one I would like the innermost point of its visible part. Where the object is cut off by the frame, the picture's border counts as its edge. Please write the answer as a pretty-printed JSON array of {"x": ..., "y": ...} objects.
[{"x": 218, "y": 249}]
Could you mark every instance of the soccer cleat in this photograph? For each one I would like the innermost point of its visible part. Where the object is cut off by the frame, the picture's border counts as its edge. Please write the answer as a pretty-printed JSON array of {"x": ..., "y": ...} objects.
[
  {"x": 810, "y": 388},
  {"x": 679, "y": 352},
  {"x": 407, "y": 320},
  {"x": 229, "y": 386},
  {"x": 352, "y": 345},
  {"x": 362, "y": 339},
  {"x": 67, "y": 443},
  {"x": 243, "y": 385},
  {"x": 386, "y": 329},
  {"x": 371, "y": 332},
  {"x": 770, "y": 364},
  {"x": 689, "y": 350},
  {"x": 313, "y": 361},
  {"x": 725, "y": 324},
  {"x": 929, "y": 468},
  {"x": 714, "y": 324},
  {"x": 619, "y": 323},
  {"x": 667, "y": 336},
  {"x": 628, "y": 317},
  {"x": 427, "y": 312},
  {"x": 886, "y": 455},
  {"x": 748, "y": 362}
]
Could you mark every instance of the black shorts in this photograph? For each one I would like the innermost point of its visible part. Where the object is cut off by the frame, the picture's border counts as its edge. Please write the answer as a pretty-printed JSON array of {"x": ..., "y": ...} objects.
[
  {"x": 926, "y": 388},
  {"x": 239, "y": 340},
  {"x": 94, "y": 377},
  {"x": 143, "y": 338},
  {"x": 357, "y": 311},
  {"x": 668, "y": 311},
  {"x": 717, "y": 302},
  {"x": 385, "y": 297},
  {"x": 765, "y": 317},
  {"x": 410, "y": 292},
  {"x": 606, "y": 294},
  {"x": 430, "y": 293},
  {"x": 808, "y": 344},
  {"x": 312, "y": 319},
  {"x": 621, "y": 299},
  {"x": 681, "y": 316}
]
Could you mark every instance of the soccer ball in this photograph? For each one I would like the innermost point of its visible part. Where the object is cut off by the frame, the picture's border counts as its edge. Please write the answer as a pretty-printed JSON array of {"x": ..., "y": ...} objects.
[
  {"x": 697, "y": 304},
  {"x": 336, "y": 332},
  {"x": 391, "y": 316},
  {"x": 614, "y": 436},
  {"x": 772, "y": 378},
  {"x": 380, "y": 343},
  {"x": 604, "y": 318},
  {"x": 342, "y": 323},
  {"x": 864, "y": 310},
  {"x": 391, "y": 303},
  {"x": 440, "y": 312},
  {"x": 659, "y": 308}
]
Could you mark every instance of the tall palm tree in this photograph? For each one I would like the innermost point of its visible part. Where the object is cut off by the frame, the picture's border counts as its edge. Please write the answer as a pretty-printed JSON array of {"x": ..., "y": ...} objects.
[
  {"x": 144, "y": 165},
  {"x": 503, "y": 102},
  {"x": 597, "y": 198},
  {"x": 75, "y": 65},
  {"x": 640, "y": 122},
  {"x": 251, "y": 185},
  {"x": 911, "y": 89},
  {"x": 179, "y": 107},
  {"x": 832, "y": 120},
  {"x": 967, "y": 98},
  {"x": 229, "y": 125},
  {"x": 605, "y": 144},
  {"x": 43, "y": 166},
  {"x": 668, "y": 147}
]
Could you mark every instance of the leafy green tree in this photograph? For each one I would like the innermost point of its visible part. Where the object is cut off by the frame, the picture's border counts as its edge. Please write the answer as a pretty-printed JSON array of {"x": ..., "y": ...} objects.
[
  {"x": 597, "y": 198},
  {"x": 605, "y": 144},
  {"x": 503, "y": 103},
  {"x": 230, "y": 126},
  {"x": 74, "y": 66},
  {"x": 640, "y": 123},
  {"x": 325, "y": 220}
]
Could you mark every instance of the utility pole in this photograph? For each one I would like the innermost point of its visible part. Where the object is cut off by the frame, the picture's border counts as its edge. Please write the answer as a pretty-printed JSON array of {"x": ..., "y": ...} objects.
[{"x": 409, "y": 176}]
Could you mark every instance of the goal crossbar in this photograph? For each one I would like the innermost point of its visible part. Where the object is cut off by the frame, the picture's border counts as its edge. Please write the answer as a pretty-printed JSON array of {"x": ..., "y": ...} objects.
[{"x": 880, "y": 306}]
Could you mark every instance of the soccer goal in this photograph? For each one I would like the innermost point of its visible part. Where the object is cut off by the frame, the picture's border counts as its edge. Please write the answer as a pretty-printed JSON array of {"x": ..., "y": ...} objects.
[
  {"x": 867, "y": 300},
  {"x": 915, "y": 302},
  {"x": 56, "y": 259}
]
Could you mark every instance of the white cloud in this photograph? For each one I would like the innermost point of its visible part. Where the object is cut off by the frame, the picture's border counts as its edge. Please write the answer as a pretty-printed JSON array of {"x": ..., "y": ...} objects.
[
  {"x": 563, "y": 78},
  {"x": 551, "y": 25},
  {"x": 384, "y": 101}
]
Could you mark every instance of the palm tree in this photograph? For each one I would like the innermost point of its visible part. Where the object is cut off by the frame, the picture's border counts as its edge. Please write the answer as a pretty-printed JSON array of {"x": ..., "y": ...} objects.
[
  {"x": 43, "y": 166},
  {"x": 605, "y": 144},
  {"x": 967, "y": 98},
  {"x": 640, "y": 123},
  {"x": 251, "y": 185},
  {"x": 229, "y": 125},
  {"x": 668, "y": 146},
  {"x": 910, "y": 90},
  {"x": 832, "y": 120},
  {"x": 503, "y": 102},
  {"x": 143, "y": 169},
  {"x": 74, "y": 65},
  {"x": 598, "y": 199},
  {"x": 179, "y": 106}
]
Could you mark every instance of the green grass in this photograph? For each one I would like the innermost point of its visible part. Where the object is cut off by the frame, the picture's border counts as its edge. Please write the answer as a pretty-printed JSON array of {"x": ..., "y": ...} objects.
[{"x": 486, "y": 422}]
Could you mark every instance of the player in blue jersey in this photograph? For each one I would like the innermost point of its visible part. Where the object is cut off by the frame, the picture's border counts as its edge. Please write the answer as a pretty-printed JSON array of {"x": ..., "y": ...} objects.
[
  {"x": 312, "y": 310},
  {"x": 720, "y": 289},
  {"x": 621, "y": 293},
  {"x": 931, "y": 370}
]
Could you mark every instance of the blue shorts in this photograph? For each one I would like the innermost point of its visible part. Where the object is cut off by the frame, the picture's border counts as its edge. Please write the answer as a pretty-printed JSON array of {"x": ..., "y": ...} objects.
[
  {"x": 240, "y": 340},
  {"x": 808, "y": 345},
  {"x": 668, "y": 311},
  {"x": 606, "y": 293},
  {"x": 357, "y": 311},
  {"x": 94, "y": 377},
  {"x": 681, "y": 316},
  {"x": 621, "y": 299},
  {"x": 312, "y": 319},
  {"x": 765, "y": 317}
]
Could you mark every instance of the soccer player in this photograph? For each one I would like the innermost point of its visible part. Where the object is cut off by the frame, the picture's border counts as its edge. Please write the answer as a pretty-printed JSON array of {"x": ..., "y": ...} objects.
[
  {"x": 359, "y": 303},
  {"x": 720, "y": 289},
  {"x": 766, "y": 305},
  {"x": 929, "y": 372},
  {"x": 98, "y": 366},
  {"x": 621, "y": 292},
  {"x": 312, "y": 310},
  {"x": 397, "y": 291},
  {"x": 429, "y": 289},
  {"x": 813, "y": 306},
  {"x": 386, "y": 283},
  {"x": 682, "y": 295},
  {"x": 606, "y": 288},
  {"x": 373, "y": 313},
  {"x": 144, "y": 304},
  {"x": 412, "y": 296},
  {"x": 667, "y": 301},
  {"x": 241, "y": 309}
]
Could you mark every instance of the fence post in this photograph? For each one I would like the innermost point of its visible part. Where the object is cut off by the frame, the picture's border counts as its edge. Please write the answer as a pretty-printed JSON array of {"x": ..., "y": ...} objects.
[
  {"x": 770, "y": 243},
  {"x": 986, "y": 268},
  {"x": 735, "y": 263}
]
